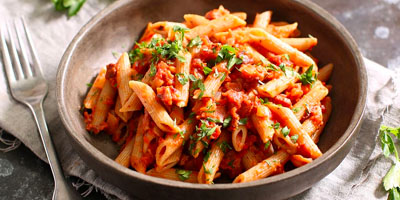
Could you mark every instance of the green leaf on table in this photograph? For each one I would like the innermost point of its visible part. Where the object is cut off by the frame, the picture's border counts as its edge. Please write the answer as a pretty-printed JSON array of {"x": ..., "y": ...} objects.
[{"x": 392, "y": 178}]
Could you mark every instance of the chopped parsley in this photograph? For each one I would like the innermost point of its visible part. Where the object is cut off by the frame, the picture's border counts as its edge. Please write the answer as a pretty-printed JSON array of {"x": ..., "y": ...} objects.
[
  {"x": 204, "y": 131},
  {"x": 285, "y": 131},
  {"x": 264, "y": 101},
  {"x": 207, "y": 171},
  {"x": 182, "y": 133},
  {"x": 134, "y": 55},
  {"x": 283, "y": 67},
  {"x": 286, "y": 56},
  {"x": 294, "y": 138},
  {"x": 207, "y": 70},
  {"x": 181, "y": 30},
  {"x": 224, "y": 146},
  {"x": 183, "y": 174},
  {"x": 207, "y": 156},
  {"x": 266, "y": 145},
  {"x": 228, "y": 53},
  {"x": 272, "y": 67},
  {"x": 231, "y": 164},
  {"x": 213, "y": 120},
  {"x": 226, "y": 122},
  {"x": 297, "y": 109},
  {"x": 197, "y": 84},
  {"x": 276, "y": 125},
  {"x": 182, "y": 78},
  {"x": 307, "y": 77},
  {"x": 89, "y": 84},
  {"x": 243, "y": 121},
  {"x": 195, "y": 42}
]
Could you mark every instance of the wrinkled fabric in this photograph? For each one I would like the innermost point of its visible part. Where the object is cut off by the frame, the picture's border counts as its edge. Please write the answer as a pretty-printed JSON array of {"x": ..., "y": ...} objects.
[{"x": 359, "y": 176}]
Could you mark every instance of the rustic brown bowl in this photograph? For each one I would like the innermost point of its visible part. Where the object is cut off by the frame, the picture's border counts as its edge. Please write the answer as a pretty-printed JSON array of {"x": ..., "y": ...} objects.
[{"x": 119, "y": 25}]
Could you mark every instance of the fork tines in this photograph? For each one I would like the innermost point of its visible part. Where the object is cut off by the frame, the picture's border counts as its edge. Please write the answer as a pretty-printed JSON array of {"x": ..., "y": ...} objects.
[{"x": 19, "y": 62}]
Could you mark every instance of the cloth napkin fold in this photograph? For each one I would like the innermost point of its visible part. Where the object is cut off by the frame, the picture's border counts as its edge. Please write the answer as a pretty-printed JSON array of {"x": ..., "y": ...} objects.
[{"x": 357, "y": 177}]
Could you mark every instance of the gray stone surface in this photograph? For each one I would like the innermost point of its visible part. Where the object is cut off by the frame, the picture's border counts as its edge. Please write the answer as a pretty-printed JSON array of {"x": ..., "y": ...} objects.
[{"x": 375, "y": 25}]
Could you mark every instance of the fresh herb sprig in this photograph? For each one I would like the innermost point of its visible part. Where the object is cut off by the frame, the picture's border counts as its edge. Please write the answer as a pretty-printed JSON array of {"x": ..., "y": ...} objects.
[
  {"x": 391, "y": 181},
  {"x": 72, "y": 6}
]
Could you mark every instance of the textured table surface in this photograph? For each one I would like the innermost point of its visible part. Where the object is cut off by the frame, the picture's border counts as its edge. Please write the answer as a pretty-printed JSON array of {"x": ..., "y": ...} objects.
[{"x": 375, "y": 25}]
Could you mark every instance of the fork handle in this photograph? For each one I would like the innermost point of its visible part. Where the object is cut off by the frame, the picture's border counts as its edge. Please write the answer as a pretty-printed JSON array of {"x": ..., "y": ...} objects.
[{"x": 62, "y": 189}]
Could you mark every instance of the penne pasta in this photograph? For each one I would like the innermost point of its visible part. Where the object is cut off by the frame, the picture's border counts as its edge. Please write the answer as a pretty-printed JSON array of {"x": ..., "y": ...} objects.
[
  {"x": 263, "y": 124},
  {"x": 264, "y": 169},
  {"x": 211, "y": 166},
  {"x": 137, "y": 151},
  {"x": 325, "y": 73},
  {"x": 183, "y": 69},
  {"x": 239, "y": 138},
  {"x": 94, "y": 92},
  {"x": 155, "y": 109},
  {"x": 124, "y": 156},
  {"x": 262, "y": 20},
  {"x": 124, "y": 73},
  {"x": 223, "y": 23},
  {"x": 316, "y": 94},
  {"x": 175, "y": 174},
  {"x": 306, "y": 146},
  {"x": 301, "y": 44},
  {"x": 103, "y": 106},
  {"x": 212, "y": 83},
  {"x": 277, "y": 86},
  {"x": 283, "y": 31},
  {"x": 325, "y": 117},
  {"x": 192, "y": 20}
]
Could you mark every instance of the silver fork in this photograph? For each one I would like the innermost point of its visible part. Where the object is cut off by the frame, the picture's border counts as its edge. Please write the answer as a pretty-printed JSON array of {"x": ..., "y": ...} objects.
[{"x": 28, "y": 86}]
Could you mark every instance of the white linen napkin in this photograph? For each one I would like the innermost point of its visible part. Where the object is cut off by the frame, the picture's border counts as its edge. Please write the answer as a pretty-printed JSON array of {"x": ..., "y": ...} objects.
[{"x": 358, "y": 176}]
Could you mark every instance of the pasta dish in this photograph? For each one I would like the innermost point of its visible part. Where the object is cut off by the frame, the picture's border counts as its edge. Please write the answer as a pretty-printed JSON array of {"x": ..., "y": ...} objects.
[{"x": 213, "y": 98}]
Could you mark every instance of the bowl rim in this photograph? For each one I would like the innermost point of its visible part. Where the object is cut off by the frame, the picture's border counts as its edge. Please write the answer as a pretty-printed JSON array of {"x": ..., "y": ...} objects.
[{"x": 102, "y": 158}]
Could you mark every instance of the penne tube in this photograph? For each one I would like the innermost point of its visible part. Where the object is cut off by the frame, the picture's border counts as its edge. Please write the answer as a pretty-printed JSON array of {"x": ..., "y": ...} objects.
[
  {"x": 263, "y": 124},
  {"x": 325, "y": 117},
  {"x": 112, "y": 123},
  {"x": 193, "y": 20},
  {"x": 241, "y": 15},
  {"x": 220, "y": 24},
  {"x": 257, "y": 57},
  {"x": 211, "y": 166},
  {"x": 148, "y": 137},
  {"x": 137, "y": 151},
  {"x": 165, "y": 28},
  {"x": 250, "y": 158},
  {"x": 310, "y": 125},
  {"x": 116, "y": 137},
  {"x": 315, "y": 95},
  {"x": 103, "y": 106},
  {"x": 306, "y": 146},
  {"x": 325, "y": 72},
  {"x": 125, "y": 116},
  {"x": 173, "y": 142},
  {"x": 177, "y": 115},
  {"x": 133, "y": 103},
  {"x": 155, "y": 109},
  {"x": 94, "y": 92},
  {"x": 124, "y": 156},
  {"x": 182, "y": 69},
  {"x": 276, "y": 86},
  {"x": 175, "y": 174},
  {"x": 272, "y": 44},
  {"x": 301, "y": 44},
  {"x": 265, "y": 168},
  {"x": 283, "y": 31},
  {"x": 211, "y": 84},
  {"x": 123, "y": 77},
  {"x": 170, "y": 161},
  {"x": 299, "y": 160},
  {"x": 262, "y": 20},
  {"x": 239, "y": 136},
  {"x": 283, "y": 142}
]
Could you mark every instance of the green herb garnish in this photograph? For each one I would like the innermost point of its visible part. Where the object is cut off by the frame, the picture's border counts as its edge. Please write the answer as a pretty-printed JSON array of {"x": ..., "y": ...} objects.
[
  {"x": 285, "y": 131},
  {"x": 183, "y": 174},
  {"x": 307, "y": 77}
]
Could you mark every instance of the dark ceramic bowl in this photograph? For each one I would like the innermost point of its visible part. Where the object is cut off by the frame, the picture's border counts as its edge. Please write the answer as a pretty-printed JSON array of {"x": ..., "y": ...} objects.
[{"x": 119, "y": 25}]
